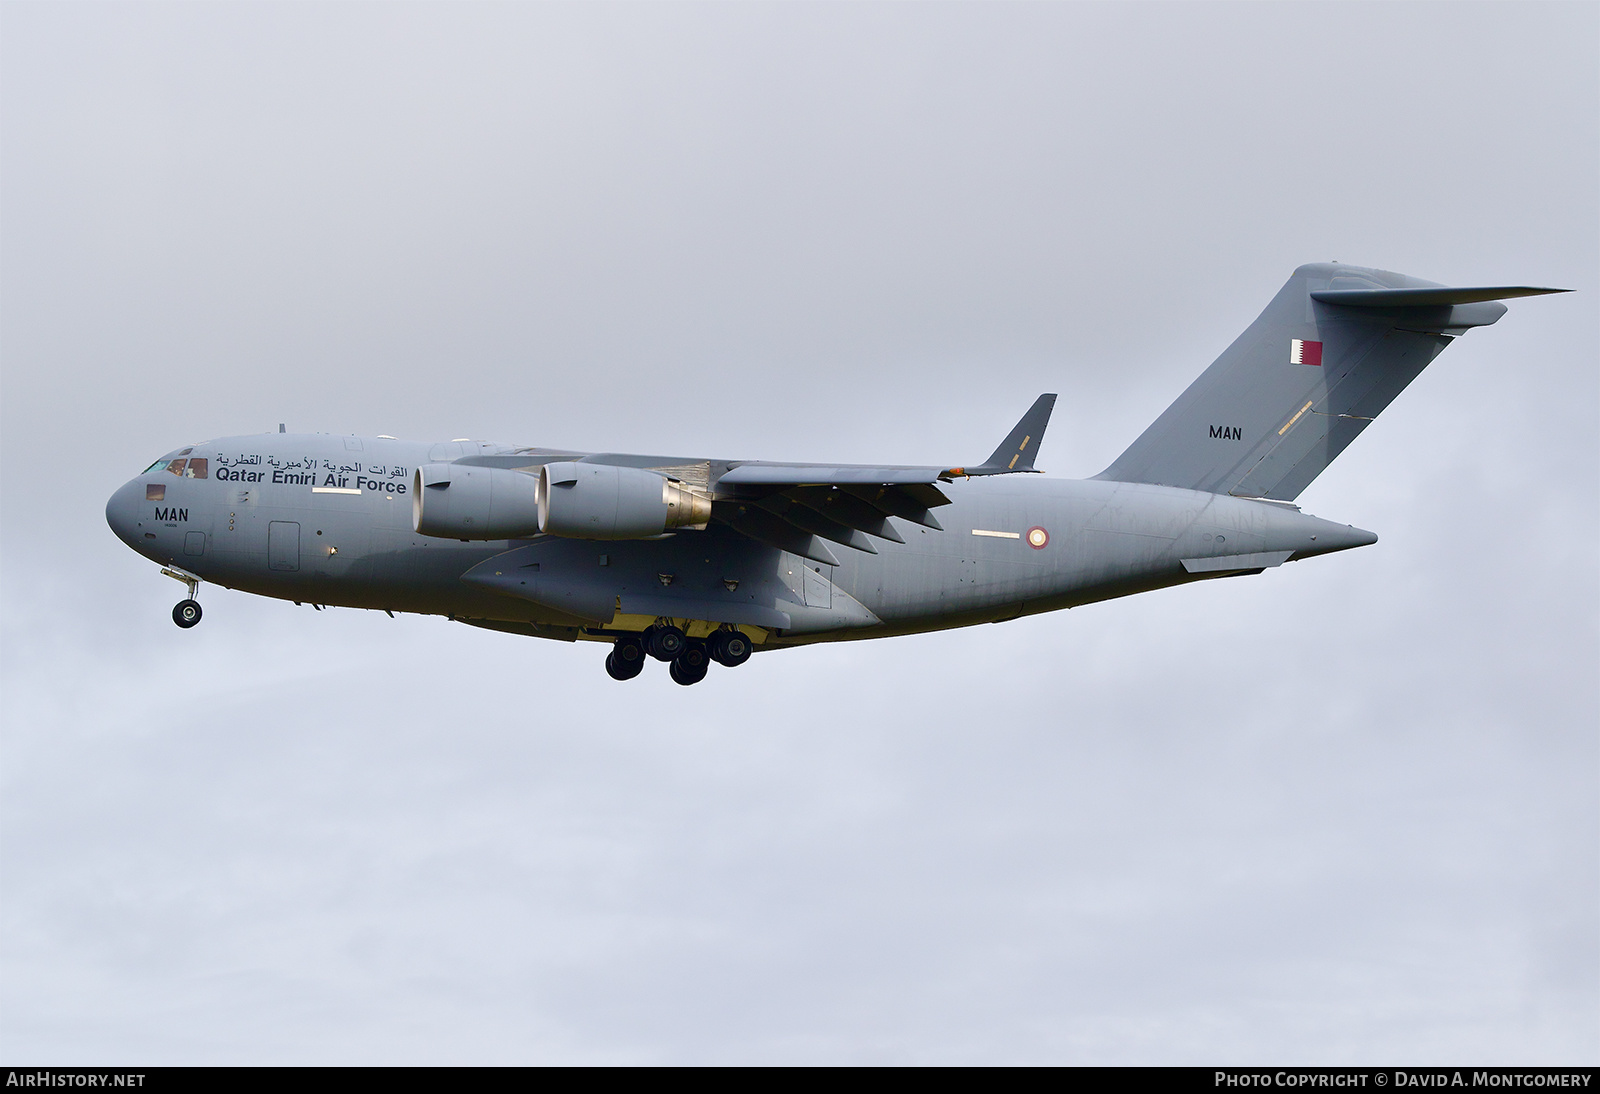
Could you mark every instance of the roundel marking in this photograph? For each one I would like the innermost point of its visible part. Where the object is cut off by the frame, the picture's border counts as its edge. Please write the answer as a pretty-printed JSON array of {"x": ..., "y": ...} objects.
[{"x": 1038, "y": 538}]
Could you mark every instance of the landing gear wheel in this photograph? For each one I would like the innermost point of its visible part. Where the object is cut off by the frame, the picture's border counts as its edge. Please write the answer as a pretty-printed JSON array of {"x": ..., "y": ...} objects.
[
  {"x": 664, "y": 643},
  {"x": 186, "y": 614},
  {"x": 623, "y": 670},
  {"x": 688, "y": 670},
  {"x": 730, "y": 648},
  {"x": 626, "y": 659},
  {"x": 694, "y": 657}
]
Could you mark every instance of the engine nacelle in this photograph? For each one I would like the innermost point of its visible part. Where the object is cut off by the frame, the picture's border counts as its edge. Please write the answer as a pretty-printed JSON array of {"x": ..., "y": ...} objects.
[
  {"x": 454, "y": 501},
  {"x": 601, "y": 501}
]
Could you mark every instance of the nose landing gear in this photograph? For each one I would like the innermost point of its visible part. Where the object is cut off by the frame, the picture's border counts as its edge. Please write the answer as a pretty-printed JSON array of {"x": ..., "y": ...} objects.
[{"x": 187, "y": 612}]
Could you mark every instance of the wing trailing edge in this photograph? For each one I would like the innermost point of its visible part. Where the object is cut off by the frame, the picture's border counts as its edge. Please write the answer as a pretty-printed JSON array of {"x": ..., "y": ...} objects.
[{"x": 802, "y": 508}]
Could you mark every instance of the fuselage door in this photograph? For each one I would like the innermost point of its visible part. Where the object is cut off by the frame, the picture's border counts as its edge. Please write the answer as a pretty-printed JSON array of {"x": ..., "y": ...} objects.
[{"x": 283, "y": 545}]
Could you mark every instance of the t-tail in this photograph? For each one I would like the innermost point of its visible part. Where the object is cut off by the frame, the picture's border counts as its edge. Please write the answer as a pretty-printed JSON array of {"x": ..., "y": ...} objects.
[{"x": 1334, "y": 347}]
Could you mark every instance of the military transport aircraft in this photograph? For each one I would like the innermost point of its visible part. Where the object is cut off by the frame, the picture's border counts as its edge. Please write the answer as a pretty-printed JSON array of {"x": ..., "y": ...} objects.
[{"x": 691, "y": 560}]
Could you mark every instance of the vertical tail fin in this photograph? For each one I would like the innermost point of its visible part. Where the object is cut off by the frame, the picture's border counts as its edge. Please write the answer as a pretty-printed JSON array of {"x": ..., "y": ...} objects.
[{"x": 1334, "y": 347}]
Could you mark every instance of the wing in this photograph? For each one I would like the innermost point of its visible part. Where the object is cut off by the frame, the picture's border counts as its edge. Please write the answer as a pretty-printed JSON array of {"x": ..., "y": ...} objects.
[{"x": 802, "y": 508}]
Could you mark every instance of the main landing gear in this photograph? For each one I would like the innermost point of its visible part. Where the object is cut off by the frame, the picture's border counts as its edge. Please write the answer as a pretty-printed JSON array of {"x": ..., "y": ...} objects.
[
  {"x": 626, "y": 659},
  {"x": 688, "y": 658},
  {"x": 187, "y": 612},
  {"x": 690, "y": 666}
]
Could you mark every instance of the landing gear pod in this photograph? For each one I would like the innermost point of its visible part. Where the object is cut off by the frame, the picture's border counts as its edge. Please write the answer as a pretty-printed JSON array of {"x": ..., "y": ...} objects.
[{"x": 600, "y": 501}]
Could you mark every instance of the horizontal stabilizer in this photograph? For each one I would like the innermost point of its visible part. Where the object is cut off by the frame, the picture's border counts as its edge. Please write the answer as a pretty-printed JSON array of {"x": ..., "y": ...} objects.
[{"x": 1424, "y": 297}]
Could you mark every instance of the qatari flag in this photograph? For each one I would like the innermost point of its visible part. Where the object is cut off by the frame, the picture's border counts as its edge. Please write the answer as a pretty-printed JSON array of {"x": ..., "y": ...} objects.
[{"x": 1302, "y": 352}]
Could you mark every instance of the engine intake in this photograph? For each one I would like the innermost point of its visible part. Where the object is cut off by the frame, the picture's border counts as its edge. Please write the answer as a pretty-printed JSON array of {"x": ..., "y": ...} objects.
[{"x": 601, "y": 501}]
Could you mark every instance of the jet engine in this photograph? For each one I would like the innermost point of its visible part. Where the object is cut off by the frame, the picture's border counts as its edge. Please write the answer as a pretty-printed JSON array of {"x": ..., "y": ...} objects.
[
  {"x": 601, "y": 501},
  {"x": 454, "y": 501},
  {"x": 573, "y": 500}
]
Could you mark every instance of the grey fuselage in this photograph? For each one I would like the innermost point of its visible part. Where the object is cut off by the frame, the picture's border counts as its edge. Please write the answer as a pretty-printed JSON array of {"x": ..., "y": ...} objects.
[{"x": 327, "y": 520}]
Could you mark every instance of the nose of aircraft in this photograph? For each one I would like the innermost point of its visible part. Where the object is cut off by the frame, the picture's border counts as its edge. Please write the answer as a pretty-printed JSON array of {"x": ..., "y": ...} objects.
[{"x": 122, "y": 512}]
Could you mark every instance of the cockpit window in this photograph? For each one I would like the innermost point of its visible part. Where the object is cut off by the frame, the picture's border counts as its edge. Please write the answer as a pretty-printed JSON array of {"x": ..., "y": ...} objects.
[{"x": 198, "y": 468}]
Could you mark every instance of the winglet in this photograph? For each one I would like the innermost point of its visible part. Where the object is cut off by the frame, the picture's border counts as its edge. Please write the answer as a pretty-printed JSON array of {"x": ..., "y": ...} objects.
[{"x": 1017, "y": 451}]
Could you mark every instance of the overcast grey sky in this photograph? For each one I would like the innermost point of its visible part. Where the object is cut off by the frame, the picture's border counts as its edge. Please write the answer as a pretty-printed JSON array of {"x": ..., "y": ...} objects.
[{"x": 1347, "y": 811}]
